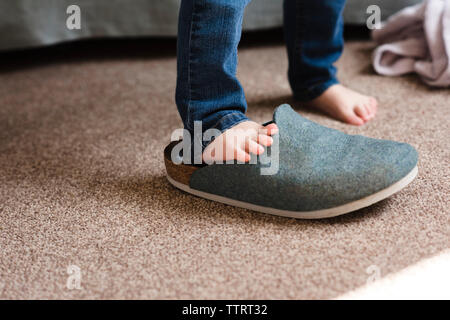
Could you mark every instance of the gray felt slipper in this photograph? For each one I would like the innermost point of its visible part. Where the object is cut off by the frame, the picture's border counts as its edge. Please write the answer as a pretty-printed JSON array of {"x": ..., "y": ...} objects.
[{"x": 315, "y": 172}]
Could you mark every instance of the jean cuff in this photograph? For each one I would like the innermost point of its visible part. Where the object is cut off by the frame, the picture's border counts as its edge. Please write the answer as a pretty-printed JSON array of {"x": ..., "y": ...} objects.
[{"x": 314, "y": 91}]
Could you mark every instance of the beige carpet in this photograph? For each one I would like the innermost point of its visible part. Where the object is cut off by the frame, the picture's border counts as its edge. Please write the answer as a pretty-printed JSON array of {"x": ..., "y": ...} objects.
[{"x": 82, "y": 183}]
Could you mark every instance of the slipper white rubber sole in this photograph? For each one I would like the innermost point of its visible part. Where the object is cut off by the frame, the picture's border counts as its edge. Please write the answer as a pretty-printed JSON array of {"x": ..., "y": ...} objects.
[{"x": 317, "y": 214}]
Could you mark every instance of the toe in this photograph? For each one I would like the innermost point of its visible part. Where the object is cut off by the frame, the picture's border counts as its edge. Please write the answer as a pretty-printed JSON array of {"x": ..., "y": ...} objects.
[
  {"x": 362, "y": 112},
  {"x": 253, "y": 147},
  {"x": 270, "y": 129},
  {"x": 369, "y": 111},
  {"x": 353, "y": 118},
  {"x": 264, "y": 140},
  {"x": 241, "y": 156}
]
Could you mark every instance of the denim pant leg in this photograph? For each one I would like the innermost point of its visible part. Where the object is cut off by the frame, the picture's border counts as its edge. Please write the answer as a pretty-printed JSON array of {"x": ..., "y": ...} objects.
[
  {"x": 207, "y": 90},
  {"x": 314, "y": 39}
]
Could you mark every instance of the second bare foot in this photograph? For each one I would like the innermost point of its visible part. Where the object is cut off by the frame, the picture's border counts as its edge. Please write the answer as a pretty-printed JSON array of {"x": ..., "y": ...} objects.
[{"x": 346, "y": 105}]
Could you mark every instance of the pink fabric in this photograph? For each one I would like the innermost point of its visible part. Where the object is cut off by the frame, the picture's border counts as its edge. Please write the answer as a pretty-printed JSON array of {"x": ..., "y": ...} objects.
[{"x": 416, "y": 39}]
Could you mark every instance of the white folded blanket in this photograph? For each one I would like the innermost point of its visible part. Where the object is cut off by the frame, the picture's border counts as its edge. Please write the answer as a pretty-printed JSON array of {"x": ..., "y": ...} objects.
[{"x": 416, "y": 39}]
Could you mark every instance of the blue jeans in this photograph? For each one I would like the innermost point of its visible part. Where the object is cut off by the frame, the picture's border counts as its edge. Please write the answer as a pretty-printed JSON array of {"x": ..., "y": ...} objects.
[{"x": 208, "y": 36}]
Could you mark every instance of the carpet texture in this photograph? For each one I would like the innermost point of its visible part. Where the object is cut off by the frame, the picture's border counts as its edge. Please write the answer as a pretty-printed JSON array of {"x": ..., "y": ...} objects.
[{"x": 82, "y": 183}]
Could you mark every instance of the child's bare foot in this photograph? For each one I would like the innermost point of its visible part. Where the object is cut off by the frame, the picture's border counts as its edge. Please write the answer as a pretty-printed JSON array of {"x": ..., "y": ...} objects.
[
  {"x": 238, "y": 142},
  {"x": 346, "y": 105}
]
